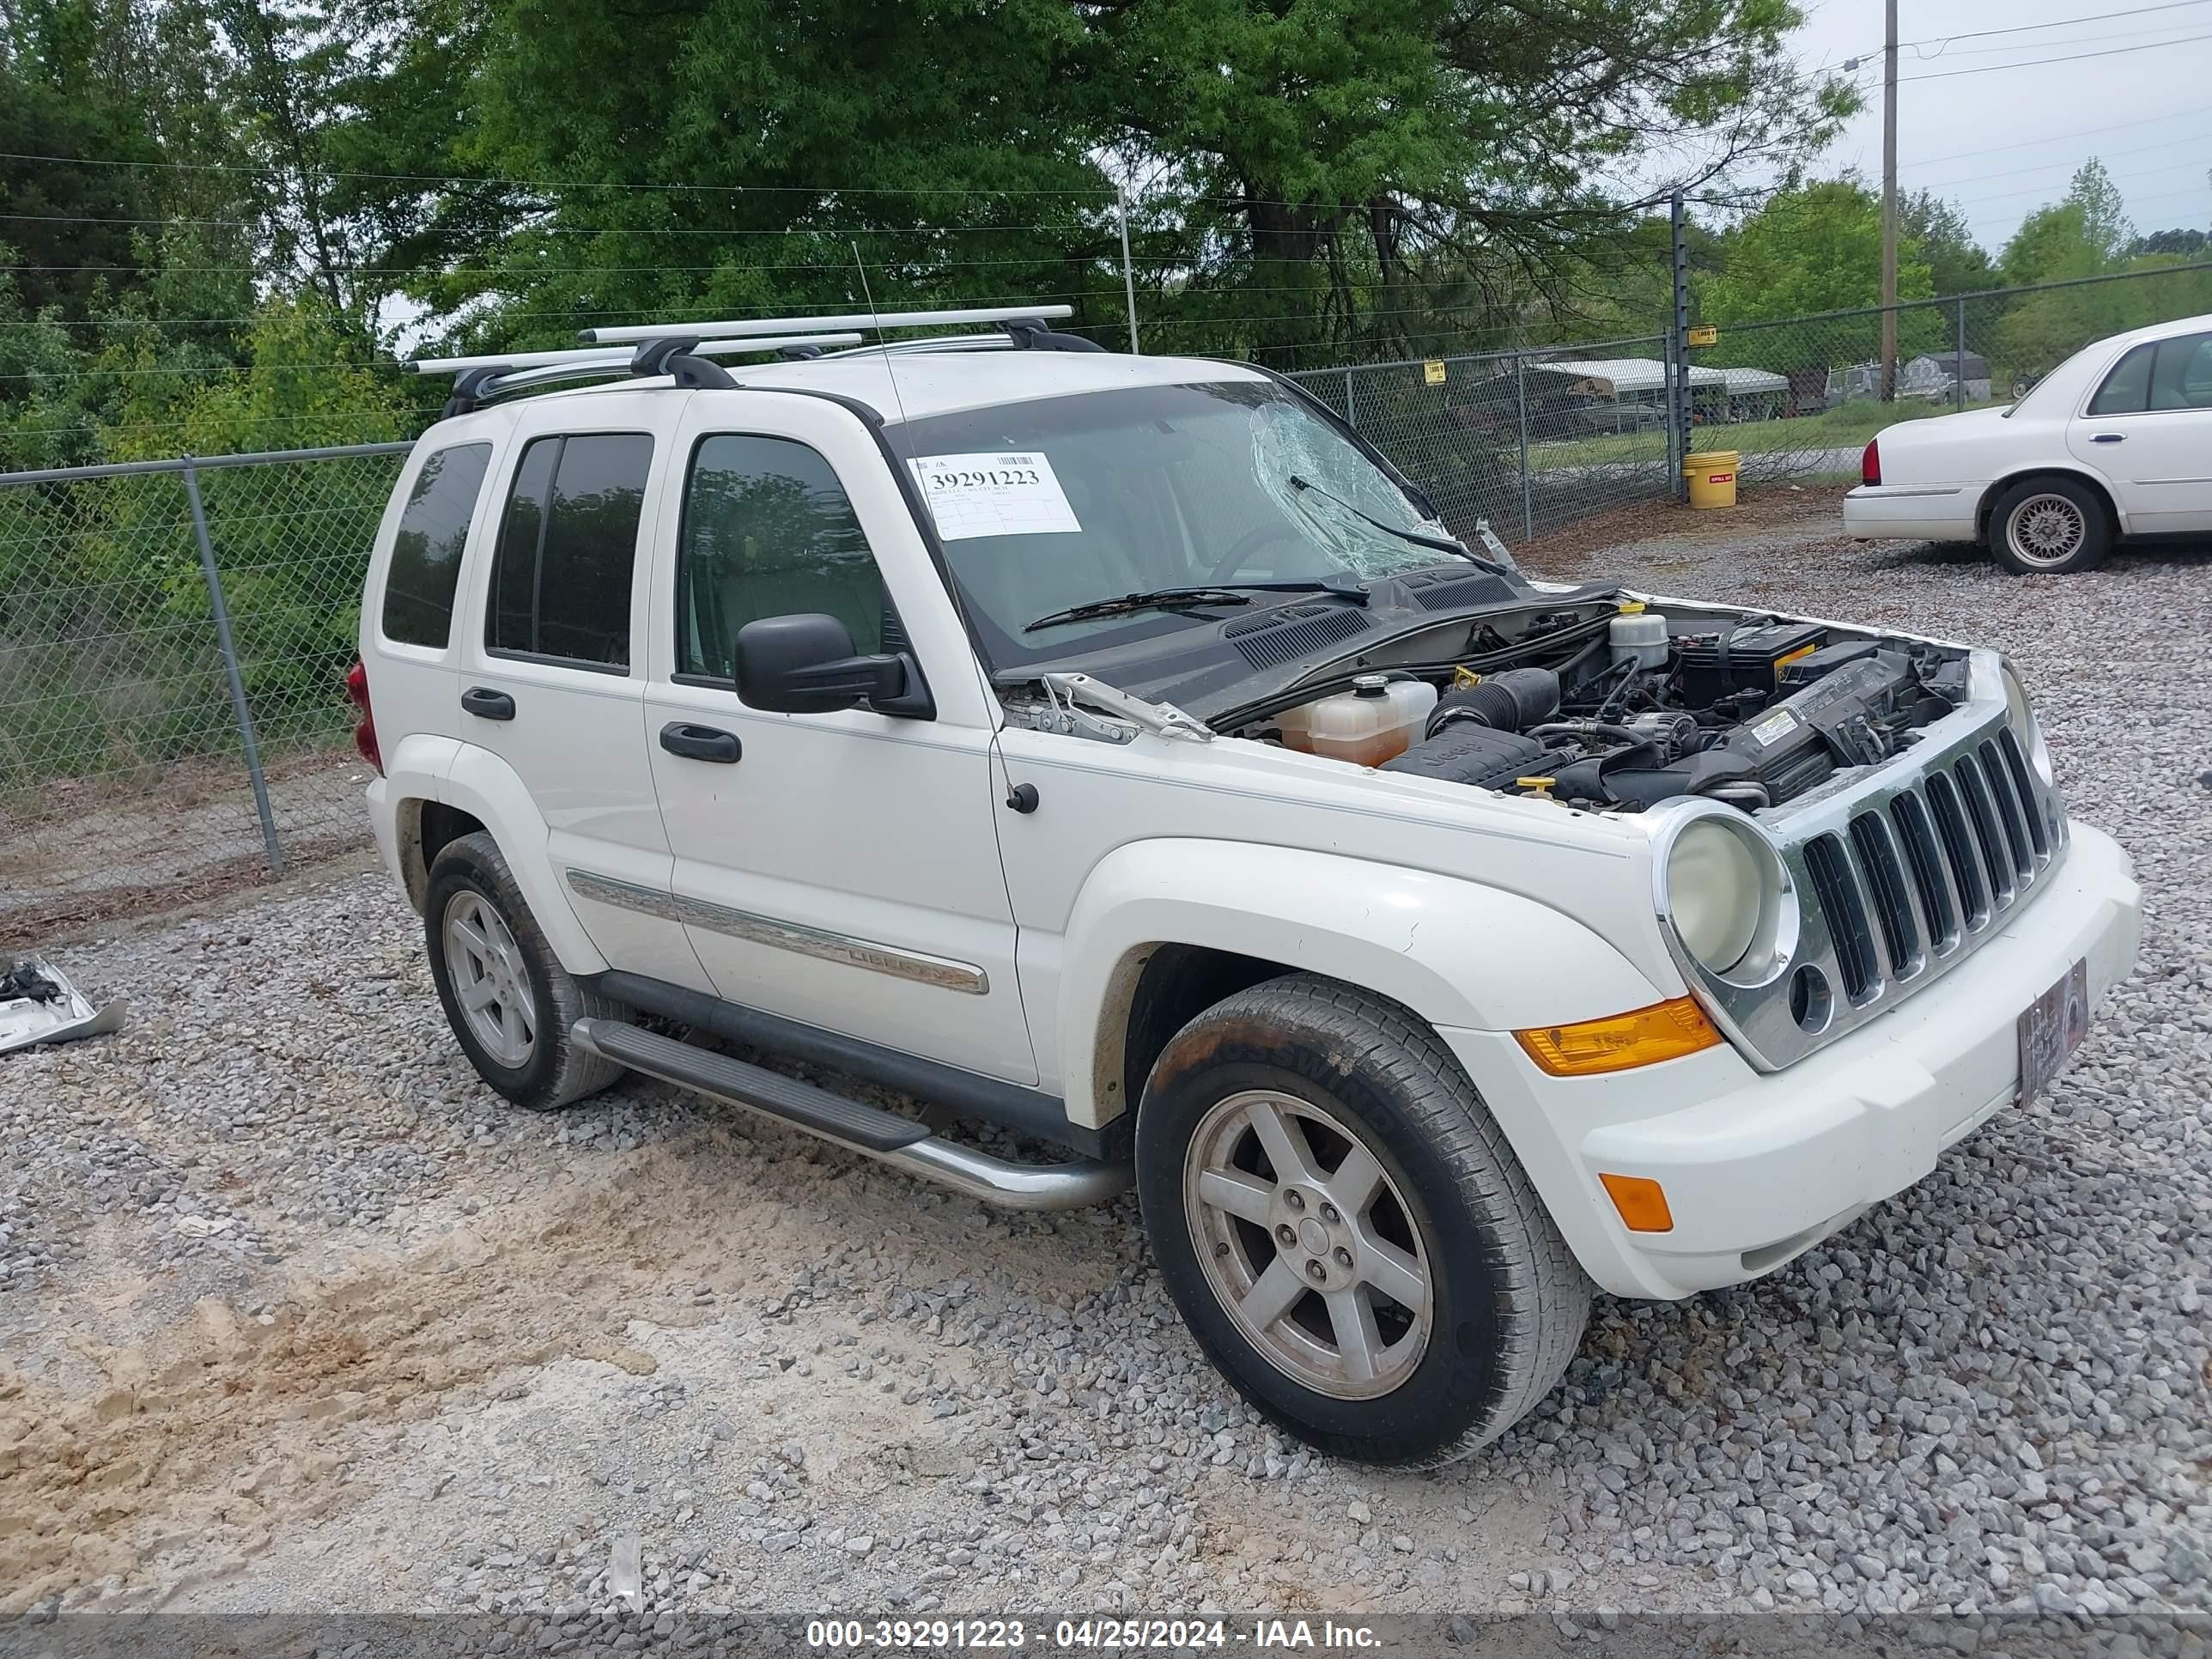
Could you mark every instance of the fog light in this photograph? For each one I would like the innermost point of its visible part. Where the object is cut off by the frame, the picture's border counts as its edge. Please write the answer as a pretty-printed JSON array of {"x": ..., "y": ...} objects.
[
  {"x": 1642, "y": 1202},
  {"x": 1665, "y": 1030}
]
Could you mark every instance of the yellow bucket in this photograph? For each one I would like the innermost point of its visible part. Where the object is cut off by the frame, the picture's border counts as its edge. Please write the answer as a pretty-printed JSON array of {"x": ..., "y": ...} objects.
[{"x": 1712, "y": 478}]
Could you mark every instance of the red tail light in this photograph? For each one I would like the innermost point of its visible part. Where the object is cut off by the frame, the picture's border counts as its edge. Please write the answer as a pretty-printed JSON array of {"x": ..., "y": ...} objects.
[
  {"x": 1870, "y": 462},
  {"x": 364, "y": 732}
]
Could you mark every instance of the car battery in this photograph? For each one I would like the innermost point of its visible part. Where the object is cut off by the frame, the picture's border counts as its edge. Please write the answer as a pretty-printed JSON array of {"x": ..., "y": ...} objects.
[{"x": 1710, "y": 666}]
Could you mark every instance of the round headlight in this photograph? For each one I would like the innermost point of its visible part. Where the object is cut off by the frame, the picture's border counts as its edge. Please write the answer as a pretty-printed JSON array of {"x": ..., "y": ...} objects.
[
  {"x": 2019, "y": 714},
  {"x": 1715, "y": 894}
]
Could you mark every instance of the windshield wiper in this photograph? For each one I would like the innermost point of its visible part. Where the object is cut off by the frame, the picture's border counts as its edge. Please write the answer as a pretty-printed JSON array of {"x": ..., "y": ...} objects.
[
  {"x": 1441, "y": 544},
  {"x": 1175, "y": 599}
]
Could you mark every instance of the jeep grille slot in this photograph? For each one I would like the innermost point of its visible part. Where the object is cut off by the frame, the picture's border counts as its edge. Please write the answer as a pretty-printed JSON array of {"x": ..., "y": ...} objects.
[
  {"x": 1843, "y": 906},
  {"x": 1288, "y": 632},
  {"x": 1981, "y": 812},
  {"x": 1882, "y": 872},
  {"x": 1924, "y": 858},
  {"x": 2008, "y": 810},
  {"x": 2016, "y": 768},
  {"x": 1958, "y": 851}
]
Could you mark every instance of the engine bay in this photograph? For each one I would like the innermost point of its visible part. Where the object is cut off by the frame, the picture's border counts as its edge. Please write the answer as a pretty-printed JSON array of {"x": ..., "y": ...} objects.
[{"x": 1620, "y": 707}]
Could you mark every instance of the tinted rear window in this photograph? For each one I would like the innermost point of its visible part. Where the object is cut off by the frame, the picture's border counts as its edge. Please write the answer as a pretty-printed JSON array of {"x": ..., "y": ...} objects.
[
  {"x": 426, "y": 555},
  {"x": 561, "y": 586}
]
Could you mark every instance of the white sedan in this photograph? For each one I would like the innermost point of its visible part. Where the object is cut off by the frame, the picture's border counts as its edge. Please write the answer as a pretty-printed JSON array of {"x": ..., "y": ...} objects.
[{"x": 2115, "y": 441}]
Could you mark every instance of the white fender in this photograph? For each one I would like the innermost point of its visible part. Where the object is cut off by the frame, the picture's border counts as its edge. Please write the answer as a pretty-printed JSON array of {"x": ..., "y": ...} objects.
[
  {"x": 1457, "y": 953},
  {"x": 485, "y": 786}
]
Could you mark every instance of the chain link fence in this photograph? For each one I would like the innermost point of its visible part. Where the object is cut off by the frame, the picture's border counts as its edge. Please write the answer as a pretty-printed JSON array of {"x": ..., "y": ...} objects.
[
  {"x": 1533, "y": 440},
  {"x": 1524, "y": 441},
  {"x": 173, "y": 638}
]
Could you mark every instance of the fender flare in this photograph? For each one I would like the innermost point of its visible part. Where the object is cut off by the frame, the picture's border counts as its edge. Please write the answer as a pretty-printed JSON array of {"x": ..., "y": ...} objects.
[
  {"x": 1455, "y": 953},
  {"x": 487, "y": 789}
]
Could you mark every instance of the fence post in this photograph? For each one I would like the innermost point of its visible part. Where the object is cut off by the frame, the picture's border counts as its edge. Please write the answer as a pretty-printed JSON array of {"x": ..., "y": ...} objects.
[
  {"x": 1129, "y": 276},
  {"x": 1678, "y": 367},
  {"x": 1351, "y": 414},
  {"x": 275, "y": 854},
  {"x": 1521, "y": 405},
  {"x": 1958, "y": 363}
]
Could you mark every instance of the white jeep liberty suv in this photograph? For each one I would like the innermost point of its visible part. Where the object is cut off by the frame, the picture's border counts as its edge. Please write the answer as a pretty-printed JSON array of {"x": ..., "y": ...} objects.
[{"x": 1117, "y": 749}]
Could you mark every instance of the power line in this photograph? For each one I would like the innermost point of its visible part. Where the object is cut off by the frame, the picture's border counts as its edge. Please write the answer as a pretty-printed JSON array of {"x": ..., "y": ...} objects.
[
  {"x": 2055, "y": 137},
  {"x": 2141, "y": 173},
  {"x": 2095, "y": 38},
  {"x": 2059, "y": 23},
  {"x": 2044, "y": 166},
  {"x": 2072, "y": 58}
]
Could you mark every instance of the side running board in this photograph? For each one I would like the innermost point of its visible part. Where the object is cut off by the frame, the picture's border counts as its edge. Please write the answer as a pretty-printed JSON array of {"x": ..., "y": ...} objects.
[{"x": 854, "y": 1125}]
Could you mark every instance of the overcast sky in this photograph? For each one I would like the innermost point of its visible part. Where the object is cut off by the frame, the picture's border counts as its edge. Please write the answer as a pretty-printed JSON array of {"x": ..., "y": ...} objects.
[{"x": 2001, "y": 142}]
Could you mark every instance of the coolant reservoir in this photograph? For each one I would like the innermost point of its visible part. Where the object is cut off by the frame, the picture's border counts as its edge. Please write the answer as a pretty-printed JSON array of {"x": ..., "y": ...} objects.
[
  {"x": 1374, "y": 721},
  {"x": 1638, "y": 635}
]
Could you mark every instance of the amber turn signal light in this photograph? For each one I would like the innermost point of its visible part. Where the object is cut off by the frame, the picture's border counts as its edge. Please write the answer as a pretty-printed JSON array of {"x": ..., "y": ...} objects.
[
  {"x": 1642, "y": 1203},
  {"x": 1665, "y": 1030}
]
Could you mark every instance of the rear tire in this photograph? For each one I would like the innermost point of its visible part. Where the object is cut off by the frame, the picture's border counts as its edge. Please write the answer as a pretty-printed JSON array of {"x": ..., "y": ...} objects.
[
  {"x": 507, "y": 996},
  {"x": 1403, "y": 1298},
  {"x": 2049, "y": 526}
]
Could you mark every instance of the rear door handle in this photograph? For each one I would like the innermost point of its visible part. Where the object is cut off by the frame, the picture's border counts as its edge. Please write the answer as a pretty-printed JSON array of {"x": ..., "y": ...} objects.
[
  {"x": 2110, "y": 438},
  {"x": 704, "y": 743},
  {"x": 487, "y": 704}
]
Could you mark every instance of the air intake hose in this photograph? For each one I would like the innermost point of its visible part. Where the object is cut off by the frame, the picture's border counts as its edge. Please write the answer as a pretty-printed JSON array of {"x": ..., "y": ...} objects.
[{"x": 1512, "y": 700}]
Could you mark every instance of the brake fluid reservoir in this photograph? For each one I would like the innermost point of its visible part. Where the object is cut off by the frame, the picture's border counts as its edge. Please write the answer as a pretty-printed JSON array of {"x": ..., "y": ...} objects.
[
  {"x": 1639, "y": 635},
  {"x": 1374, "y": 721}
]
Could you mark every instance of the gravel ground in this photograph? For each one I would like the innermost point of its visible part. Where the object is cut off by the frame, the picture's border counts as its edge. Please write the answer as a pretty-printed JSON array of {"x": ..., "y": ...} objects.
[{"x": 295, "y": 1315}]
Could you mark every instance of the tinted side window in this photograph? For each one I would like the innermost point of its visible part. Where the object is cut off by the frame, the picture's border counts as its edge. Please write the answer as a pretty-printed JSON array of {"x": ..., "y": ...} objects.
[
  {"x": 426, "y": 555},
  {"x": 2182, "y": 378},
  {"x": 2127, "y": 386},
  {"x": 767, "y": 532},
  {"x": 561, "y": 584}
]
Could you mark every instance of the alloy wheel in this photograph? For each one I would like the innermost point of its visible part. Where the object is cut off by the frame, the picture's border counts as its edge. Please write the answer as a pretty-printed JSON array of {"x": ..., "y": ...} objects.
[
  {"x": 2046, "y": 530},
  {"x": 1308, "y": 1244},
  {"x": 491, "y": 982}
]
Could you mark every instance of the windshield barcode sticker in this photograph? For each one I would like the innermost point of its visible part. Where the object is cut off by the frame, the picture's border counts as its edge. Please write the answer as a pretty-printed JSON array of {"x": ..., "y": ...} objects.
[{"x": 1014, "y": 493}]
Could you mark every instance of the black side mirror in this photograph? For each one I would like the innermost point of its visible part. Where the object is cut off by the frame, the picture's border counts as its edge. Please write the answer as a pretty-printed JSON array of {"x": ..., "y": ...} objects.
[{"x": 805, "y": 664}]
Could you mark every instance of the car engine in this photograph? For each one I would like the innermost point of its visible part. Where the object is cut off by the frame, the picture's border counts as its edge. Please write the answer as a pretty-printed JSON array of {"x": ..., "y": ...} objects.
[{"x": 1623, "y": 714}]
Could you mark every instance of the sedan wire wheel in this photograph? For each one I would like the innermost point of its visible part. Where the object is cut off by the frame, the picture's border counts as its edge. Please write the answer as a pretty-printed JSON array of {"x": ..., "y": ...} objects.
[
  {"x": 1307, "y": 1245},
  {"x": 2046, "y": 530},
  {"x": 490, "y": 982}
]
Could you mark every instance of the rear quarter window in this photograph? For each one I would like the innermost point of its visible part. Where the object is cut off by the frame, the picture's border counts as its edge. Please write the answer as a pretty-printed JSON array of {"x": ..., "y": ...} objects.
[
  {"x": 561, "y": 583},
  {"x": 426, "y": 555}
]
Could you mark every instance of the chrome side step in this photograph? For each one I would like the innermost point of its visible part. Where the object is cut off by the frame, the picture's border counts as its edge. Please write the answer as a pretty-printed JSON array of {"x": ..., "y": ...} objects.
[{"x": 854, "y": 1125}]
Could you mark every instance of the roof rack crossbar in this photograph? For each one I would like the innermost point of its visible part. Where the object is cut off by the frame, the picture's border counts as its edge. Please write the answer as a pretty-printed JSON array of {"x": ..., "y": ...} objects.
[
  {"x": 749, "y": 327},
  {"x": 620, "y": 357}
]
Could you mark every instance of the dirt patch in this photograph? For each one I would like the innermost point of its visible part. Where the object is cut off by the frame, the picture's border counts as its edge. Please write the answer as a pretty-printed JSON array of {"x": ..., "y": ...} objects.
[{"x": 1760, "y": 508}]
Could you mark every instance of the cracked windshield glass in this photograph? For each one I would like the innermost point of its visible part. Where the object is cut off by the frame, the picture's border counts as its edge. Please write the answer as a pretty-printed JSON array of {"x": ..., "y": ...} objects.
[{"x": 1056, "y": 503}]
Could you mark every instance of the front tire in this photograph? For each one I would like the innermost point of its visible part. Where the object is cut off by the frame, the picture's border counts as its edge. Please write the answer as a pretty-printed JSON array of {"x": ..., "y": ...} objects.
[
  {"x": 2049, "y": 526},
  {"x": 1345, "y": 1229},
  {"x": 507, "y": 996}
]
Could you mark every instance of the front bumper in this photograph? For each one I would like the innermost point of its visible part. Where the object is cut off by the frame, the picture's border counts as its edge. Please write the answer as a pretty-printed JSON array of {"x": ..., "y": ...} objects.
[
  {"x": 1757, "y": 1168},
  {"x": 1923, "y": 512}
]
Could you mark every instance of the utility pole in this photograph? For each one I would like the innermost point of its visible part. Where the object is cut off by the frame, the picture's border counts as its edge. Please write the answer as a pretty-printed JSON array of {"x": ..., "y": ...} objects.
[{"x": 1889, "y": 202}]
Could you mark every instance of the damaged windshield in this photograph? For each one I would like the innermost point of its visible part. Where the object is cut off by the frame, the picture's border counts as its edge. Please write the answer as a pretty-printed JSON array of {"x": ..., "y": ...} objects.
[{"x": 1053, "y": 505}]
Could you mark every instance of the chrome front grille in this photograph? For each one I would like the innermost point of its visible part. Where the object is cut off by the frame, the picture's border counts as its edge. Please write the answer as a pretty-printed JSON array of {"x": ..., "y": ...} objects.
[
  {"x": 1899, "y": 874},
  {"x": 1890, "y": 893}
]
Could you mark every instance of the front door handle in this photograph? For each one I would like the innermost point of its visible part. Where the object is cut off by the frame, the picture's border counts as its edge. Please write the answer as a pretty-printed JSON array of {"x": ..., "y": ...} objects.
[
  {"x": 2110, "y": 438},
  {"x": 705, "y": 742},
  {"x": 487, "y": 704}
]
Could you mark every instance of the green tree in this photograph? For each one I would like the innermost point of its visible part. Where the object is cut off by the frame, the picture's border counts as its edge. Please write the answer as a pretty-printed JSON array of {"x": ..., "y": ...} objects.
[
  {"x": 2085, "y": 233},
  {"x": 1325, "y": 172},
  {"x": 1956, "y": 262}
]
